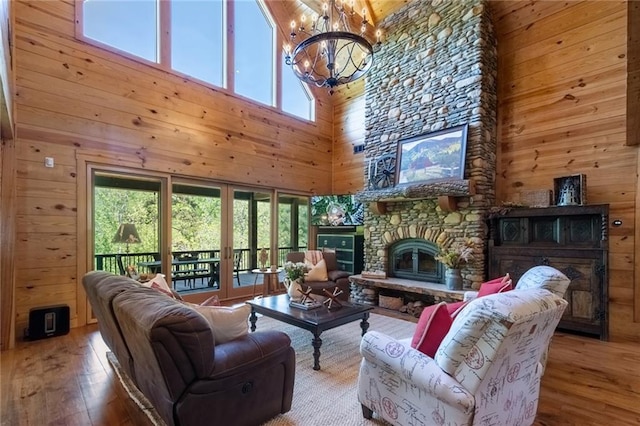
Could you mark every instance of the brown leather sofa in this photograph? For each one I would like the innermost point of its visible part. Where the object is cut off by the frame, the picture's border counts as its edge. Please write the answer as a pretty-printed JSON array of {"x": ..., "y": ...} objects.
[
  {"x": 169, "y": 352},
  {"x": 337, "y": 277}
]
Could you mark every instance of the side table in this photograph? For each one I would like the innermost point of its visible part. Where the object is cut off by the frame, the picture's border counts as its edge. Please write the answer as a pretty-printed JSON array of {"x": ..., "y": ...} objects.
[{"x": 269, "y": 277}]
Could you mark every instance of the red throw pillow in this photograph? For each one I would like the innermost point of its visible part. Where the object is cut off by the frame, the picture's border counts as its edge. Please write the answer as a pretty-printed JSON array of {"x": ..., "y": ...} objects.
[
  {"x": 497, "y": 285},
  {"x": 433, "y": 325},
  {"x": 454, "y": 308}
]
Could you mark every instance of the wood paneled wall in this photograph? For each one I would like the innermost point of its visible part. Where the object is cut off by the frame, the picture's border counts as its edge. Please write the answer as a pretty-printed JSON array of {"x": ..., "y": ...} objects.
[
  {"x": 633, "y": 73},
  {"x": 562, "y": 111},
  {"x": 76, "y": 100},
  {"x": 7, "y": 179},
  {"x": 6, "y": 70},
  {"x": 562, "y": 77},
  {"x": 7, "y": 242},
  {"x": 349, "y": 113}
]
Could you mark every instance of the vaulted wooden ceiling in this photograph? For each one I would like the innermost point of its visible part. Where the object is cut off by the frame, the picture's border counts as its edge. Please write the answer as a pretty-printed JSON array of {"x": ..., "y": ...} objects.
[{"x": 377, "y": 10}]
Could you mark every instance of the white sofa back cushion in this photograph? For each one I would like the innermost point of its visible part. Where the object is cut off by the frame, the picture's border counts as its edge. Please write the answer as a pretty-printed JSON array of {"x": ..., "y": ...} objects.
[{"x": 544, "y": 277}]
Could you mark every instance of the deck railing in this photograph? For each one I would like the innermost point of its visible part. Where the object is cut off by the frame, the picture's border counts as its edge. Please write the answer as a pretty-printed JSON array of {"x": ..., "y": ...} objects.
[{"x": 108, "y": 261}]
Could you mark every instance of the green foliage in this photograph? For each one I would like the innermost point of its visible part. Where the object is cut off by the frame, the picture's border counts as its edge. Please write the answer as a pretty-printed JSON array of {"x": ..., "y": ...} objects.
[
  {"x": 114, "y": 206},
  {"x": 195, "y": 223}
]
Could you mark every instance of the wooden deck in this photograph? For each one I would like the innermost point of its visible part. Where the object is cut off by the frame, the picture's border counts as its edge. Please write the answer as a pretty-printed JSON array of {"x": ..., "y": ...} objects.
[{"x": 194, "y": 285}]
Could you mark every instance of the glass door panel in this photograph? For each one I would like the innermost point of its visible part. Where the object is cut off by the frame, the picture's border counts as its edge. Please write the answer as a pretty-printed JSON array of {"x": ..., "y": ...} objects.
[
  {"x": 249, "y": 233},
  {"x": 293, "y": 225},
  {"x": 196, "y": 223},
  {"x": 126, "y": 224}
]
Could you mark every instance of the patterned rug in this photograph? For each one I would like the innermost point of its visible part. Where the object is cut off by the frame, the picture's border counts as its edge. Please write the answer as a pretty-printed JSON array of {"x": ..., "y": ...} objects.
[{"x": 320, "y": 398}]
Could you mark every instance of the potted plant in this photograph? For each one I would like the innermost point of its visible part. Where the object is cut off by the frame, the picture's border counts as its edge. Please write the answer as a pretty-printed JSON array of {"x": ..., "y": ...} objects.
[
  {"x": 294, "y": 277},
  {"x": 454, "y": 257}
]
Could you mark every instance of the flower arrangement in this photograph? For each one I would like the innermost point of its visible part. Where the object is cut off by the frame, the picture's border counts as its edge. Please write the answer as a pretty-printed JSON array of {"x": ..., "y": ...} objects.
[
  {"x": 456, "y": 255},
  {"x": 295, "y": 271}
]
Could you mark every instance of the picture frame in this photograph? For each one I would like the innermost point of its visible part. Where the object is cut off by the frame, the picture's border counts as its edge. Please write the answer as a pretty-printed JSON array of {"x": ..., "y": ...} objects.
[
  {"x": 570, "y": 190},
  {"x": 432, "y": 157}
]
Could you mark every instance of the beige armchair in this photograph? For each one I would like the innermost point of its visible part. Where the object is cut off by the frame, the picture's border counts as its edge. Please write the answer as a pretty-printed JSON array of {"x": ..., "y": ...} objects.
[{"x": 487, "y": 370}]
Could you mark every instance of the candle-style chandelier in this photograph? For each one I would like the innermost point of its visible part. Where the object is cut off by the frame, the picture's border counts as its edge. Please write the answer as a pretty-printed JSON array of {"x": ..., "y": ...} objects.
[{"x": 330, "y": 53}]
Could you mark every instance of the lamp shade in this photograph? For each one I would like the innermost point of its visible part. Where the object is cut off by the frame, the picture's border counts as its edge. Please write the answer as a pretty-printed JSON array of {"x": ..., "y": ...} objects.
[{"x": 126, "y": 233}]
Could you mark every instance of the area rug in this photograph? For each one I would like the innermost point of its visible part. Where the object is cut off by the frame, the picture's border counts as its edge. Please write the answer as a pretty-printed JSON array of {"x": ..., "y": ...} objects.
[
  {"x": 328, "y": 396},
  {"x": 134, "y": 393}
]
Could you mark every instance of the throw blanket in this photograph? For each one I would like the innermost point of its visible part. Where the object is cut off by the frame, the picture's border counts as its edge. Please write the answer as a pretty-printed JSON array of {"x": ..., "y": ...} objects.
[{"x": 313, "y": 256}]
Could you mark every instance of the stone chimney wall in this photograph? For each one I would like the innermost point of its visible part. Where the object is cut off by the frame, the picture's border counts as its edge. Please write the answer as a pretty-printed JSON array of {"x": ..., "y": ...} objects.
[{"x": 436, "y": 69}]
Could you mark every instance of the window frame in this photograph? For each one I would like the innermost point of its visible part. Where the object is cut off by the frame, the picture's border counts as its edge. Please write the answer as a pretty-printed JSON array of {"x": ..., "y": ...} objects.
[{"x": 164, "y": 55}]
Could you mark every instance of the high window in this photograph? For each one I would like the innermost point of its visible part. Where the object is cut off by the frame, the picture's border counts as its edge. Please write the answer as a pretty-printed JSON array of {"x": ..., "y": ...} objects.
[
  {"x": 193, "y": 38},
  {"x": 197, "y": 39}
]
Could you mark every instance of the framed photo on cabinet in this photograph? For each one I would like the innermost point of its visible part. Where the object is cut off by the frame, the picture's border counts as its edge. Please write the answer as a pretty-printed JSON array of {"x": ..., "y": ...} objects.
[{"x": 570, "y": 190}]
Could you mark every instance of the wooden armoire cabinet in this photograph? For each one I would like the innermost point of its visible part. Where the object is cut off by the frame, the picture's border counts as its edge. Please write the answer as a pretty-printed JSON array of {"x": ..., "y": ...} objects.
[{"x": 572, "y": 239}]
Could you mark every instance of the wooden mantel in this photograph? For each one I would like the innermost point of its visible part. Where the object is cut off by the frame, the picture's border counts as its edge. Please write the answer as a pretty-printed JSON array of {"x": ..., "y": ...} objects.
[{"x": 446, "y": 192}]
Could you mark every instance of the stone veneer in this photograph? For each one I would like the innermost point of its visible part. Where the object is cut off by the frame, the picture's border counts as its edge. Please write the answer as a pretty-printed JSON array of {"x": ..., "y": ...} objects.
[{"x": 436, "y": 69}]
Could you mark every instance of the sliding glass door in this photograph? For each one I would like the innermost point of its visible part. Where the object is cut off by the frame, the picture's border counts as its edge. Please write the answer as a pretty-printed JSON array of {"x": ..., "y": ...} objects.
[
  {"x": 126, "y": 222},
  {"x": 204, "y": 237},
  {"x": 249, "y": 235},
  {"x": 217, "y": 232},
  {"x": 196, "y": 235},
  {"x": 293, "y": 224}
]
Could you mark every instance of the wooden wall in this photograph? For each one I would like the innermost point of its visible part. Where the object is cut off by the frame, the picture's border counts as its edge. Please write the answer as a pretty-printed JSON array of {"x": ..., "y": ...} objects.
[
  {"x": 7, "y": 179},
  {"x": 74, "y": 100},
  {"x": 562, "y": 111},
  {"x": 6, "y": 71},
  {"x": 349, "y": 113}
]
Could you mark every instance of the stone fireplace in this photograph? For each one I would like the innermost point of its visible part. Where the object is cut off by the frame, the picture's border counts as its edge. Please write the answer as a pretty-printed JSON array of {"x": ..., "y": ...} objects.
[
  {"x": 414, "y": 258},
  {"x": 435, "y": 70}
]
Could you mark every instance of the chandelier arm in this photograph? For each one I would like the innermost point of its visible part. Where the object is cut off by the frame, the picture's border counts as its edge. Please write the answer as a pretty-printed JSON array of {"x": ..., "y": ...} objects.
[
  {"x": 331, "y": 36},
  {"x": 350, "y": 47}
]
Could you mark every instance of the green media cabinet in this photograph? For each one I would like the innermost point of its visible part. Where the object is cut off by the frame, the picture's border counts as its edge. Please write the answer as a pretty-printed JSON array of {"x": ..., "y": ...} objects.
[{"x": 349, "y": 250}]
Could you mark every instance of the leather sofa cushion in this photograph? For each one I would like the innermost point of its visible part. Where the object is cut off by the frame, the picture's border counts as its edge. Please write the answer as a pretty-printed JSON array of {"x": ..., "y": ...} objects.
[
  {"x": 331, "y": 260},
  {"x": 335, "y": 275}
]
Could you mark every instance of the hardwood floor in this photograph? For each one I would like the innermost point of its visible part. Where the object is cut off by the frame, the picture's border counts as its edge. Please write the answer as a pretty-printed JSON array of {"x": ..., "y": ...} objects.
[
  {"x": 67, "y": 380},
  {"x": 64, "y": 380}
]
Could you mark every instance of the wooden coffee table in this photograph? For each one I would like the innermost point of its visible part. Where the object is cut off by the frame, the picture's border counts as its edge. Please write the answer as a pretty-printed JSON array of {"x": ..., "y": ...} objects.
[{"x": 315, "y": 320}]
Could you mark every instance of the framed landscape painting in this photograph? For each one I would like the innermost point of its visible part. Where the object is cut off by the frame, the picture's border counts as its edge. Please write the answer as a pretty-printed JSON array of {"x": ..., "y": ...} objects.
[{"x": 432, "y": 157}]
